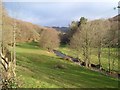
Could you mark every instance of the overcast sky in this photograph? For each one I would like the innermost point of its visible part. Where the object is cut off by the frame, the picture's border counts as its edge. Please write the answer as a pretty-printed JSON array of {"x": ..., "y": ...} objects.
[{"x": 59, "y": 13}]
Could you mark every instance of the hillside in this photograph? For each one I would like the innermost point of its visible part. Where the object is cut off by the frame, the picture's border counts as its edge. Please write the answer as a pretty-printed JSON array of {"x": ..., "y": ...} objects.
[
  {"x": 36, "y": 68},
  {"x": 25, "y": 31},
  {"x": 115, "y": 18}
]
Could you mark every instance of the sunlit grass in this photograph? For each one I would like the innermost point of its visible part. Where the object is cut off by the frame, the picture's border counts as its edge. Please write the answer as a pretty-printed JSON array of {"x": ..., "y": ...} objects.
[
  {"x": 93, "y": 56},
  {"x": 36, "y": 68}
]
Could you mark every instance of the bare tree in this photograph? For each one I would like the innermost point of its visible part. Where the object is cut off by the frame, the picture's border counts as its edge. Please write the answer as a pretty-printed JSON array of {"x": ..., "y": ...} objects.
[
  {"x": 100, "y": 29},
  {"x": 6, "y": 59},
  {"x": 75, "y": 26},
  {"x": 111, "y": 42},
  {"x": 0, "y": 42},
  {"x": 82, "y": 41},
  {"x": 49, "y": 39}
]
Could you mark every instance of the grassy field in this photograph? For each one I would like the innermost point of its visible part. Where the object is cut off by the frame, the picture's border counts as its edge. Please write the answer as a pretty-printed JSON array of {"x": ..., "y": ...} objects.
[
  {"x": 94, "y": 58},
  {"x": 37, "y": 68}
]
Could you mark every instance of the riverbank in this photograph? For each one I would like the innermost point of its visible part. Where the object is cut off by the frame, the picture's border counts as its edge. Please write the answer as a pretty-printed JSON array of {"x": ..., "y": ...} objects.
[{"x": 92, "y": 67}]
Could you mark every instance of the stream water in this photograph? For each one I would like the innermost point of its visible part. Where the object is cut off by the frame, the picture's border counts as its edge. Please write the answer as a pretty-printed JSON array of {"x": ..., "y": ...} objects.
[{"x": 60, "y": 54}]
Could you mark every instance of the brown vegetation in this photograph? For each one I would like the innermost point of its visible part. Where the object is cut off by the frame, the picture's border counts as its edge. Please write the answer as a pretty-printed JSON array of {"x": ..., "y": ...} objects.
[
  {"x": 95, "y": 34},
  {"x": 49, "y": 39}
]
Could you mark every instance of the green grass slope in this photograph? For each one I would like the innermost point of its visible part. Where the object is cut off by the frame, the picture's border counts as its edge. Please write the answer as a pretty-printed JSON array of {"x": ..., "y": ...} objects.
[
  {"x": 94, "y": 57},
  {"x": 37, "y": 68}
]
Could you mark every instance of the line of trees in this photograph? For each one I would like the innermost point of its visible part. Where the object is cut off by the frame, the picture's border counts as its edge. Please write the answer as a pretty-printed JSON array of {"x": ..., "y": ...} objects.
[{"x": 90, "y": 35}]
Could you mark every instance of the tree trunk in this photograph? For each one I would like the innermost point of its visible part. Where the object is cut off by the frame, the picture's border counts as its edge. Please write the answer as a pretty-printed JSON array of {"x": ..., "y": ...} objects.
[
  {"x": 99, "y": 56},
  {"x": 113, "y": 61},
  {"x": 109, "y": 59},
  {"x": 86, "y": 50},
  {"x": 90, "y": 57},
  {"x": 14, "y": 51}
]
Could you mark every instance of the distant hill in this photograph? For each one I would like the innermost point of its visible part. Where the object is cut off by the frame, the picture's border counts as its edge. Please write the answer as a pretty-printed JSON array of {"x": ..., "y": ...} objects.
[{"x": 61, "y": 29}]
